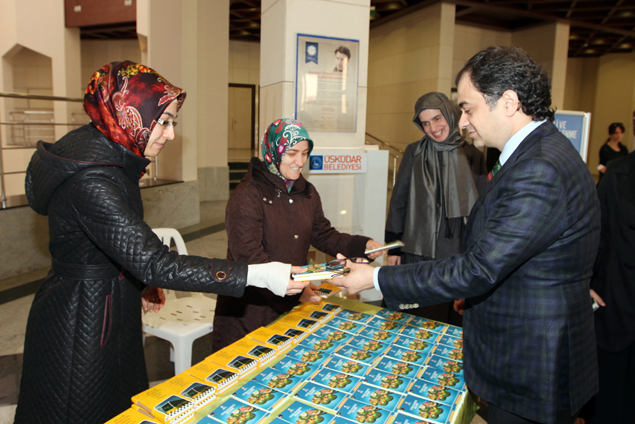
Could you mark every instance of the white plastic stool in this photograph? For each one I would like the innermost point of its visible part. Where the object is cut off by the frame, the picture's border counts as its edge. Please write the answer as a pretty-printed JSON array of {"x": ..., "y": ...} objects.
[{"x": 181, "y": 320}]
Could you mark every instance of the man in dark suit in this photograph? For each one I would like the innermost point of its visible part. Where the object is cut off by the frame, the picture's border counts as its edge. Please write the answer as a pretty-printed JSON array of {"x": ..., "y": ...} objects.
[
  {"x": 531, "y": 242},
  {"x": 614, "y": 284}
]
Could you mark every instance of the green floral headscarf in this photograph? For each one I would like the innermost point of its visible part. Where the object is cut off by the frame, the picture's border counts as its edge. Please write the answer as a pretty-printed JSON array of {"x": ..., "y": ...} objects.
[{"x": 279, "y": 137}]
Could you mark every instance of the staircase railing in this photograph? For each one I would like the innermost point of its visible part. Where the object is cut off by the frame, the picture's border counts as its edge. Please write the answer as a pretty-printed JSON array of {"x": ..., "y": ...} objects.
[{"x": 21, "y": 132}]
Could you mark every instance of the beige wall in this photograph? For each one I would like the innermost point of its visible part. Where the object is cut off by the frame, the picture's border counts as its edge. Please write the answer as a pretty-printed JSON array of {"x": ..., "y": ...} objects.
[
  {"x": 159, "y": 24},
  {"x": 580, "y": 92},
  {"x": 244, "y": 62},
  {"x": 470, "y": 40},
  {"x": 37, "y": 64},
  {"x": 21, "y": 28},
  {"x": 97, "y": 53},
  {"x": 614, "y": 93},
  {"x": 31, "y": 73},
  {"x": 548, "y": 46},
  {"x": 408, "y": 57},
  {"x": 582, "y": 75},
  {"x": 604, "y": 86},
  {"x": 205, "y": 57}
]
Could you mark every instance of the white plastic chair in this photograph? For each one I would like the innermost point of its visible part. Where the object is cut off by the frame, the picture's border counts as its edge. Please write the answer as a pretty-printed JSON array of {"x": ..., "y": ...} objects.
[{"x": 183, "y": 319}]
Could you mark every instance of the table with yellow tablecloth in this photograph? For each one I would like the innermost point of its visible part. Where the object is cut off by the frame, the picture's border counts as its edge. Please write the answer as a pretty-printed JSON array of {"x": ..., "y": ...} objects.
[{"x": 464, "y": 410}]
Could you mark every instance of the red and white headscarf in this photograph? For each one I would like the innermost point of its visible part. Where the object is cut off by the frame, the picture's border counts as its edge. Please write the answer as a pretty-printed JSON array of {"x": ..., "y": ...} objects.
[{"x": 124, "y": 100}]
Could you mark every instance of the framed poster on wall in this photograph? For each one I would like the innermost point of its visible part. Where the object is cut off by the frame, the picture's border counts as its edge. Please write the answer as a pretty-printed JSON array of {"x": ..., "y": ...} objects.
[{"x": 327, "y": 71}]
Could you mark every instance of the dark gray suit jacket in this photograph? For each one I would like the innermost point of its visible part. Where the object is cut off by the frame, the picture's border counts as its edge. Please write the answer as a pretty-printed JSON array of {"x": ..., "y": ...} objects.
[
  {"x": 614, "y": 273},
  {"x": 532, "y": 238}
]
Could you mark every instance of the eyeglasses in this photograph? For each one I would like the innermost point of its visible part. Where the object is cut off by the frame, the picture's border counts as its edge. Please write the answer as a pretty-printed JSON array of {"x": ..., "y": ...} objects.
[
  {"x": 166, "y": 124},
  {"x": 339, "y": 264}
]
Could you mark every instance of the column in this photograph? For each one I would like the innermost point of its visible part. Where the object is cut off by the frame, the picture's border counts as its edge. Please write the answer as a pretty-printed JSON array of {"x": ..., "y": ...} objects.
[
  {"x": 206, "y": 70},
  {"x": 548, "y": 45},
  {"x": 353, "y": 202},
  {"x": 281, "y": 21}
]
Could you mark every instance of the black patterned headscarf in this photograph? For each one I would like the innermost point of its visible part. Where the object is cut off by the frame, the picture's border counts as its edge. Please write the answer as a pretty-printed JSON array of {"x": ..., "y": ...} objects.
[{"x": 451, "y": 185}]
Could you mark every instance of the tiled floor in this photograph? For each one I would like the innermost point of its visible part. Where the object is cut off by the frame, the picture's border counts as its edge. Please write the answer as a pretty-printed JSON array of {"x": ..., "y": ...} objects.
[{"x": 15, "y": 304}]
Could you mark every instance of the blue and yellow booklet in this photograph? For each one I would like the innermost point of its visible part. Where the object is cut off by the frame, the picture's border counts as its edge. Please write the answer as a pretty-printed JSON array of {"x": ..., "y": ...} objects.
[
  {"x": 300, "y": 413},
  {"x": 233, "y": 411},
  {"x": 324, "y": 397},
  {"x": 260, "y": 396},
  {"x": 435, "y": 392},
  {"x": 363, "y": 413},
  {"x": 375, "y": 396},
  {"x": 429, "y": 410},
  {"x": 345, "y": 365}
]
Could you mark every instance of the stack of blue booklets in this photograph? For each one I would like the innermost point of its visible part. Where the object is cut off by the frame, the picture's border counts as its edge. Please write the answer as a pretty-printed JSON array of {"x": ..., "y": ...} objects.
[{"x": 387, "y": 368}]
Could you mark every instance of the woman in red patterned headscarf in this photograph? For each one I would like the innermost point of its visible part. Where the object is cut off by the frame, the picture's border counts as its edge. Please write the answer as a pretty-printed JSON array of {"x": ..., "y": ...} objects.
[
  {"x": 124, "y": 101},
  {"x": 83, "y": 353}
]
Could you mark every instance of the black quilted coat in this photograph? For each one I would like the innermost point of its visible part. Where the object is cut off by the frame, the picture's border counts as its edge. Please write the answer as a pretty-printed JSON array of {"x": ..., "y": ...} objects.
[{"x": 83, "y": 353}]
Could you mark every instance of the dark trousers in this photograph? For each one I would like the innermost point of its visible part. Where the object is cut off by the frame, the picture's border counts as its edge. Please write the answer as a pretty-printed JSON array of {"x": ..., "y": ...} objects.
[
  {"x": 615, "y": 403},
  {"x": 496, "y": 415}
]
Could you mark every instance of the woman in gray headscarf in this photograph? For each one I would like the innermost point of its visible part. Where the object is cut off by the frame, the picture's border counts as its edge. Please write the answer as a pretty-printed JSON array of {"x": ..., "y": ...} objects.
[{"x": 438, "y": 182}]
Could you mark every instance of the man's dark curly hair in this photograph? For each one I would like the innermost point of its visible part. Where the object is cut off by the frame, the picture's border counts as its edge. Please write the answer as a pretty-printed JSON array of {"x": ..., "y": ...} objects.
[{"x": 498, "y": 69}]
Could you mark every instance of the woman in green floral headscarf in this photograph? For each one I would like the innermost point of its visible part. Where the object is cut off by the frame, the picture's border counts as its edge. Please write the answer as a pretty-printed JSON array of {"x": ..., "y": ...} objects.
[
  {"x": 275, "y": 214},
  {"x": 279, "y": 137}
]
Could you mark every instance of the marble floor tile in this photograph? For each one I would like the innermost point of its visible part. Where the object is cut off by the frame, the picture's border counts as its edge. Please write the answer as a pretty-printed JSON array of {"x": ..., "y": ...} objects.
[
  {"x": 478, "y": 420},
  {"x": 18, "y": 280},
  {"x": 13, "y": 317},
  {"x": 10, "y": 371},
  {"x": 7, "y": 413},
  {"x": 213, "y": 211},
  {"x": 212, "y": 246}
]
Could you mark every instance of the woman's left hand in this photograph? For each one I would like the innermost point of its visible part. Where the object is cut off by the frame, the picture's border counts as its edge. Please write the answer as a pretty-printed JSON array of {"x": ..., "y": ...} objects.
[
  {"x": 152, "y": 299},
  {"x": 308, "y": 295},
  {"x": 372, "y": 244}
]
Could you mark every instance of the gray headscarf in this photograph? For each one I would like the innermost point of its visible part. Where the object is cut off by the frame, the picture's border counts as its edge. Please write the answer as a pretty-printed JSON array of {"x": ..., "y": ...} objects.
[{"x": 449, "y": 182}]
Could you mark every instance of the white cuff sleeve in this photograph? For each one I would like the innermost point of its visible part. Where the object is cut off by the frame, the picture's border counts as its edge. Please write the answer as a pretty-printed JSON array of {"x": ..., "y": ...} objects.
[
  {"x": 376, "y": 278},
  {"x": 274, "y": 276}
]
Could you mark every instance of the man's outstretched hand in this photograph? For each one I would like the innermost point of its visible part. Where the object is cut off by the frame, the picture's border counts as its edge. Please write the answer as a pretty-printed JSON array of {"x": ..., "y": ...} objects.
[{"x": 360, "y": 278}]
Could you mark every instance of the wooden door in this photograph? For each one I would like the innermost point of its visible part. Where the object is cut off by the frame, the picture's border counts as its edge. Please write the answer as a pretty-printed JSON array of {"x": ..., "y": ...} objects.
[{"x": 240, "y": 117}]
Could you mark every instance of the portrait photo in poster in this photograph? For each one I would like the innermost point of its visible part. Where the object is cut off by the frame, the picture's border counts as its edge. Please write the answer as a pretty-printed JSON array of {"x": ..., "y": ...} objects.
[{"x": 326, "y": 83}]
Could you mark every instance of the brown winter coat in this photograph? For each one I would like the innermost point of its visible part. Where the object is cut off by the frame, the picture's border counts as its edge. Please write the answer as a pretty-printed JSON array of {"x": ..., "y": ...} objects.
[{"x": 265, "y": 223}]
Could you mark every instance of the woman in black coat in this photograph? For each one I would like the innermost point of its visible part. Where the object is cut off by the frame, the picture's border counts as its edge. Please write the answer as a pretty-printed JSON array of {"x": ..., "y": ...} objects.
[
  {"x": 438, "y": 182},
  {"x": 613, "y": 147},
  {"x": 83, "y": 353}
]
